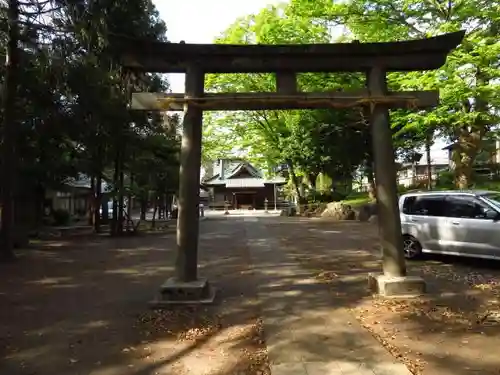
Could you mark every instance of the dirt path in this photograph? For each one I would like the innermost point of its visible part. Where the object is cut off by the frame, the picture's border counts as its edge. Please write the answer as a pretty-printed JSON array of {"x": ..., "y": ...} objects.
[
  {"x": 80, "y": 307},
  {"x": 455, "y": 329}
]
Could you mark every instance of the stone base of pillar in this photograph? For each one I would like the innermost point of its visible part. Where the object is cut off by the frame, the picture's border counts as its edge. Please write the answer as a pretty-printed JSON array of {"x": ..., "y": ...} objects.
[
  {"x": 402, "y": 287},
  {"x": 174, "y": 292}
]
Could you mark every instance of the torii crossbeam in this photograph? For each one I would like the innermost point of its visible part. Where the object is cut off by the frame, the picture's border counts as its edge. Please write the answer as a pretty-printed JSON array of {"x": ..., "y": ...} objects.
[{"x": 286, "y": 61}]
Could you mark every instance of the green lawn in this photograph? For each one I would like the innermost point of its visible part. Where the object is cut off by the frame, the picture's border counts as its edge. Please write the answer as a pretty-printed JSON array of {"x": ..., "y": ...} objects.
[
  {"x": 493, "y": 185},
  {"x": 357, "y": 200}
]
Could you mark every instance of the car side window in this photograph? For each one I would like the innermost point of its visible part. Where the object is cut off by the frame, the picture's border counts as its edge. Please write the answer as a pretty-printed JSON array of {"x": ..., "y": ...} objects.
[
  {"x": 424, "y": 205},
  {"x": 467, "y": 207},
  {"x": 408, "y": 204}
]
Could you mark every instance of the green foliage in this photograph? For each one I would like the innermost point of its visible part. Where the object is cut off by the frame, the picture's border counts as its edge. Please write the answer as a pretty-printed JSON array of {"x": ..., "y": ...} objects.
[
  {"x": 446, "y": 179},
  {"x": 325, "y": 197},
  {"x": 323, "y": 183},
  {"x": 356, "y": 200},
  {"x": 315, "y": 142},
  {"x": 489, "y": 185},
  {"x": 310, "y": 142},
  {"x": 156, "y": 165},
  {"x": 73, "y": 98},
  {"x": 468, "y": 82}
]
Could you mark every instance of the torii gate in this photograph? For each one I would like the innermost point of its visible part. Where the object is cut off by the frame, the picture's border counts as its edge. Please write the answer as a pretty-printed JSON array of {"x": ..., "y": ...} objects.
[{"x": 373, "y": 59}]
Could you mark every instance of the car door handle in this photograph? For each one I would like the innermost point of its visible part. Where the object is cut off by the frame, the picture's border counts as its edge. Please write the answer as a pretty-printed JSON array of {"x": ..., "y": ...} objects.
[
  {"x": 455, "y": 223},
  {"x": 414, "y": 220}
]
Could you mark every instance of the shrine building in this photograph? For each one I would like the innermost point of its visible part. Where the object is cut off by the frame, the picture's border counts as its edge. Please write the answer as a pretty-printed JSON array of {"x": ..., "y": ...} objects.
[{"x": 242, "y": 185}]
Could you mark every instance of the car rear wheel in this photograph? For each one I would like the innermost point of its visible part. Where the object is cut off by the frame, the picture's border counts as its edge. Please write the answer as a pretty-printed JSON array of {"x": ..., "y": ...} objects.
[{"x": 412, "y": 247}]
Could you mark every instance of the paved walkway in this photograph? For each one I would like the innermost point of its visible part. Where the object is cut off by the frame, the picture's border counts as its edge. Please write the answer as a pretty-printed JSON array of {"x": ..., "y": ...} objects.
[{"x": 305, "y": 333}]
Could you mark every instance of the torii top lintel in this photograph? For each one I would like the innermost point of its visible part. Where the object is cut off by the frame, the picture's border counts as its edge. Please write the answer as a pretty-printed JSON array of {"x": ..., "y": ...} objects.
[{"x": 421, "y": 54}]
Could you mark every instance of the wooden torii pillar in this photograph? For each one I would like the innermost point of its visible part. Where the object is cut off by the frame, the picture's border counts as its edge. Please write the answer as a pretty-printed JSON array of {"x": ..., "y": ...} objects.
[{"x": 374, "y": 59}]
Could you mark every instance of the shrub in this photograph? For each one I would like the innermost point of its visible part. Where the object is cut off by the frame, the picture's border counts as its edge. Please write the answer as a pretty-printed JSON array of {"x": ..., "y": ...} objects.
[
  {"x": 61, "y": 217},
  {"x": 312, "y": 197},
  {"x": 357, "y": 194},
  {"x": 402, "y": 188},
  {"x": 316, "y": 197},
  {"x": 446, "y": 179}
]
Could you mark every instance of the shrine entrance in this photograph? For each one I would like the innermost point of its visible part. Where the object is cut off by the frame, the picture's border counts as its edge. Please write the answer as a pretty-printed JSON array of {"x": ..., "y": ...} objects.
[
  {"x": 286, "y": 61},
  {"x": 244, "y": 200}
]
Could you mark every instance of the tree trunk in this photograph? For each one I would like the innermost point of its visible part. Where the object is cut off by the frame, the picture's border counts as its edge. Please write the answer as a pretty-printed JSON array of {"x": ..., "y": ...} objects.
[
  {"x": 97, "y": 203},
  {"x": 312, "y": 180},
  {"x": 91, "y": 206},
  {"x": 164, "y": 205},
  {"x": 372, "y": 190},
  {"x": 24, "y": 206},
  {"x": 347, "y": 184},
  {"x": 153, "y": 221},
  {"x": 463, "y": 168},
  {"x": 470, "y": 139},
  {"x": 129, "y": 198},
  {"x": 168, "y": 205},
  {"x": 463, "y": 172},
  {"x": 144, "y": 208},
  {"x": 9, "y": 136},
  {"x": 105, "y": 215},
  {"x": 114, "y": 217},
  {"x": 40, "y": 204},
  {"x": 160, "y": 207},
  {"x": 121, "y": 206},
  {"x": 428, "y": 143},
  {"x": 414, "y": 174},
  {"x": 295, "y": 182},
  {"x": 98, "y": 171},
  {"x": 116, "y": 189},
  {"x": 463, "y": 156}
]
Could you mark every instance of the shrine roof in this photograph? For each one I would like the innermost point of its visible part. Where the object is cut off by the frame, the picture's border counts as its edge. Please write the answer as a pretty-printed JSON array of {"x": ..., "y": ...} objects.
[
  {"x": 164, "y": 57},
  {"x": 232, "y": 178},
  {"x": 246, "y": 182}
]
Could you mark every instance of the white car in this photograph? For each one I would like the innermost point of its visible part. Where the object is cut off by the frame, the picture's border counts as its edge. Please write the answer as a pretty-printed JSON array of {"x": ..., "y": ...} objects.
[{"x": 463, "y": 223}]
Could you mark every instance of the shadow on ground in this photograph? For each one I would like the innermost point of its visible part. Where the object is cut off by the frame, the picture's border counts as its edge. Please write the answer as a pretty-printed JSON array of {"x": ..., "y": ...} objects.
[
  {"x": 449, "y": 331},
  {"x": 80, "y": 306}
]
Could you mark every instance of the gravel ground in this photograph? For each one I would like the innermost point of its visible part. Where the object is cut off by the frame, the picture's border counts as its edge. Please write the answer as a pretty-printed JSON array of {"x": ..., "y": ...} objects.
[
  {"x": 454, "y": 329},
  {"x": 79, "y": 306}
]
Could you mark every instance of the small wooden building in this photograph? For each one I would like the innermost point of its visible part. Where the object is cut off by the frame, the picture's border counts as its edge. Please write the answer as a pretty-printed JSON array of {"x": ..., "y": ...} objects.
[
  {"x": 241, "y": 185},
  {"x": 74, "y": 195}
]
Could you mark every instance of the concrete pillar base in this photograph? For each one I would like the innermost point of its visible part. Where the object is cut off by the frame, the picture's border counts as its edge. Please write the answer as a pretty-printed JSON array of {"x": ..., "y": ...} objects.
[
  {"x": 174, "y": 292},
  {"x": 403, "y": 287}
]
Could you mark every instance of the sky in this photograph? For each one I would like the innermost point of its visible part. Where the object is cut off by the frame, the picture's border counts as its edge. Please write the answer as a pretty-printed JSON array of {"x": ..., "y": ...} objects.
[{"x": 202, "y": 21}]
